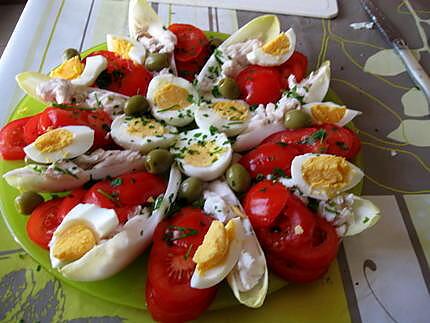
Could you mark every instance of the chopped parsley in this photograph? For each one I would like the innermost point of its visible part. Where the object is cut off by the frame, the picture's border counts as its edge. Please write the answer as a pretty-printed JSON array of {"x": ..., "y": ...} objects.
[
  {"x": 342, "y": 145},
  {"x": 213, "y": 130},
  {"x": 175, "y": 232},
  {"x": 318, "y": 135},
  {"x": 113, "y": 197},
  {"x": 295, "y": 95},
  {"x": 116, "y": 182},
  {"x": 68, "y": 106},
  {"x": 215, "y": 92},
  {"x": 170, "y": 108},
  {"x": 366, "y": 219}
]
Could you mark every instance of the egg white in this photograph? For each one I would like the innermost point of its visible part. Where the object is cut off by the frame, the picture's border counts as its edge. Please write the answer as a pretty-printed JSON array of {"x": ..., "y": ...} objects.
[
  {"x": 94, "y": 66},
  {"x": 206, "y": 117},
  {"x": 180, "y": 117},
  {"x": 215, "y": 275},
  {"x": 137, "y": 52},
  {"x": 259, "y": 57},
  {"x": 134, "y": 141},
  {"x": 355, "y": 176},
  {"x": 205, "y": 173},
  {"x": 347, "y": 117},
  {"x": 83, "y": 139}
]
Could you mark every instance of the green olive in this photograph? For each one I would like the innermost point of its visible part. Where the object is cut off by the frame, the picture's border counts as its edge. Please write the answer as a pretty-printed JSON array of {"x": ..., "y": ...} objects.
[
  {"x": 69, "y": 53},
  {"x": 136, "y": 105},
  {"x": 158, "y": 161},
  {"x": 238, "y": 178},
  {"x": 215, "y": 42},
  {"x": 26, "y": 202},
  {"x": 157, "y": 61},
  {"x": 296, "y": 119},
  {"x": 191, "y": 189},
  {"x": 228, "y": 88}
]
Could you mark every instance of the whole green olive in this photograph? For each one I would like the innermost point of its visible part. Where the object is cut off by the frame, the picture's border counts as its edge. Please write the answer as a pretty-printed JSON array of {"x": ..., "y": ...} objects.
[
  {"x": 157, "y": 61},
  {"x": 296, "y": 119},
  {"x": 158, "y": 161},
  {"x": 238, "y": 178},
  {"x": 136, "y": 105},
  {"x": 228, "y": 88},
  {"x": 191, "y": 189},
  {"x": 26, "y": 202},
  {"x": 215, "y": 42},
  {"x": 69, "y": 53}
]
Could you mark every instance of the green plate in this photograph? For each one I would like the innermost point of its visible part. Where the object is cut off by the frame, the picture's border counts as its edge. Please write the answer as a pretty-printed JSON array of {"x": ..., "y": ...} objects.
[{"x": 127, "y": 287}]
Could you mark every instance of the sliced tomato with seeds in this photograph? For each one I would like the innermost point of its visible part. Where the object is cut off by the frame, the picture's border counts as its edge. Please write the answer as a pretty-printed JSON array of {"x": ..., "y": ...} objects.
[
  {"x": 297, "y": 65},
  {"x": 191, "y": 42},
  {"x": 31, "y": 129},
  {"x": 12, "y": 139},
  {"x": 43, "y": 221},
  {"x": 270, "y": 158},
  {"x": 342, "y": 141},
  {"x": 70, "y": 201}
]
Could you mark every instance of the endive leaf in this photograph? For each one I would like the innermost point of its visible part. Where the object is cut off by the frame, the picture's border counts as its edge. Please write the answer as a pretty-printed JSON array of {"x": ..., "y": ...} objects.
[
  {"x": 28, "y": 82},
  {"x": 142, "y": 18}
]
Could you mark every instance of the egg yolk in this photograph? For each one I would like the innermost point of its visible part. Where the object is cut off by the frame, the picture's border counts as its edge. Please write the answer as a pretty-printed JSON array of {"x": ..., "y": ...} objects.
[
  {"x": 74, "y": 242},
  {"x": 215, "y": 245},
  {"x": 278, "y": 46},
  {"x": 328, "y": 173},
  {"x": 54, "y": 140},
  {"x": 122, "y": 47},
  {"x": 69, "y": 70},
  {"x": 145, "y": 127},
  {"x": 202, "y": 154},
  {"x": 171, "y": 97},
  {"x": 327, "y": 114},
  {"x": 231, "y": 110}
]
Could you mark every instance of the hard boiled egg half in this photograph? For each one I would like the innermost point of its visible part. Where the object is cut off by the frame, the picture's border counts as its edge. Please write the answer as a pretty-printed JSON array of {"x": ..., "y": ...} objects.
[
  {"x": 203, "y": 154},
  {"x": 126, "y": 48},
  {"x": 61, "y": 143},
  {"x": 275, "y": 52},
  {"x": 228, "y": 116},
  {"x": 329, "y": 112},
  {"x": 172, "y": 99},
  {"x": 218, "y": 253},
  {"x": 141, "y": 133},
  {"x": 323, "y": 176}
]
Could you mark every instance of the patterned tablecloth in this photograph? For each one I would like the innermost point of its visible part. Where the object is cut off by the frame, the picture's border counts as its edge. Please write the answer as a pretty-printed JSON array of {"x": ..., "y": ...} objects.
[{"x": 381, "y": 275}]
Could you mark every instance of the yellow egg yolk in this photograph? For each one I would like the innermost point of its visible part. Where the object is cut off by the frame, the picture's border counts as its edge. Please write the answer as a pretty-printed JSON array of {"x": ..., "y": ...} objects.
[
  {"x": 231, "y": 110},
  {"x": 215, "y": 245},
  {"x": 326, "y": 114},
  {"x": 122, "y": 47},
  {"x": 328, "y": 173},
  {"x": 202, "y": 154},
  {"x": 54, "y": 140},
  {"x": 171, "y": 97},
  {"x": 69, "y": 70},
  {"x": 74, "y": 242},
  {"x": 278, "y": 46},
  {"x": 145, "y": 127}
]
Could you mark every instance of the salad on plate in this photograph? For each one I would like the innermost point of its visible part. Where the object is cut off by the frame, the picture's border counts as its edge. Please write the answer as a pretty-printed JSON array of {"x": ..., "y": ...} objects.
[{"x": 221, "y": 158}]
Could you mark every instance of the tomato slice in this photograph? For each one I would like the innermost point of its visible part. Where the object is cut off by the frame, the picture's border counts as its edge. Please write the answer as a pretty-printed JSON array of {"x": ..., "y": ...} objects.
[
  {"x": 12, "y": 139},
  {"x": 125, "y": 192},
  {"x": 270, "y": 158},
  {"x": 264, "y": 202},
  {"x": 291, "y": 228},
  {"x": 297, "y": 64},
  {"x": 32, "y": 129},
  {"x": 70, "y": 201},
  {"x": 321, "y": 251},
  {"x": 191, "y": 42},
  {"x": 122, "y": 75},
  {"x": 289, "y": 271},
  {"x": 259, "y": 85},
  {"x": 169, "y": 295},
  {"x": 342, "y": 141},
  {"x": 188, "y": 70},
  {"x": 43, "y": 221}
]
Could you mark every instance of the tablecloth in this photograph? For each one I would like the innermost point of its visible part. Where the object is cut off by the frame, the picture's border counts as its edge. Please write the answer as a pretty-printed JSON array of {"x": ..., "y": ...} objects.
[{"x": 381, "y": 275}]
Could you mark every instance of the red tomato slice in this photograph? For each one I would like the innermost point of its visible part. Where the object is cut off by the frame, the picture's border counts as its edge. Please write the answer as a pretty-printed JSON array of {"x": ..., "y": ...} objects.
[
  {"x": 292, "y": 228},
  {"x": 342, "y": 141},
  {"x": 188, "y": 70},
  {"x": 12, "y": 139},
  {"x": 125, "y": 192},
  {"x": 98, "y": 120},
  {"x": 122, "y": 75},
  {"x": 169, "y": 295},
  {"x": 32, "y": 129},
  {"x": 43, "y": 221},
  {"x": 291, "y": 272},
  {"x": 297, "y": 64},
  {"x": 259, "y": 85},
  {"x": 70, "y": 201},
  {"x": 321, "y": 251},
  {"x": 270, "y": 158},
  {"x": 191, "y": 42},
  {"x": 264, "y": 202}
]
